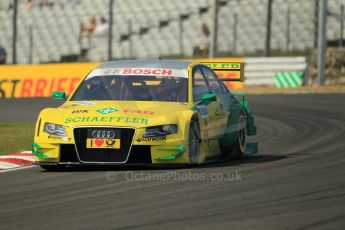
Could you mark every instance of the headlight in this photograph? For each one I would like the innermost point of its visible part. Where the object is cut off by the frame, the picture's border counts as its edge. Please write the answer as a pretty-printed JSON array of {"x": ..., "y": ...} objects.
[
  {"x": 54, "y": 129},
  {"x": 161, "y": 130}
]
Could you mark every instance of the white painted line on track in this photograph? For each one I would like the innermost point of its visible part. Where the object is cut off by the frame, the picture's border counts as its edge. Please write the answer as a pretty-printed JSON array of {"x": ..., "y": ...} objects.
[
  {"x": 17, "y": 168},
  {"x": 7, "y": 165},
  {"x": 27, "y": 158}
]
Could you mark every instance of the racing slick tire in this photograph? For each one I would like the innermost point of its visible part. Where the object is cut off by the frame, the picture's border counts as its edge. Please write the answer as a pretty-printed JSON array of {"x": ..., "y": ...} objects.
[
  {"x": 52, "y": 168},
  {"x": 194, "y": 142},
  {"x": 235, "y": 151}
]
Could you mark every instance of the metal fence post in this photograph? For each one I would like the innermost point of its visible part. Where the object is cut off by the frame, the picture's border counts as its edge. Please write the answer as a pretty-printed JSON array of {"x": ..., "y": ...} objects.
[
  {"x": 213, "y": 42},
  {"x": 131, "y": 53},
  {"x": 110, "y": 37},
  {"x": 31, "y": 44},
  {"x": 288, "y": 22},
  {"x": 322, "y": 41},
  {"x": 316, "y": 23},
  {"x": 341, "y": 25},
  {"x": 180, "y": 23},
  {"x": 14, "y": 35},
  {"x": 268, "y": 29},
  {"x": 234, "y": 50}
]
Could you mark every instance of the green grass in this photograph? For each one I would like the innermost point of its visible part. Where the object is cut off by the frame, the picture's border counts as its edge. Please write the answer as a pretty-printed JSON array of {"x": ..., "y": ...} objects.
[{"x": 15, "y": 137}]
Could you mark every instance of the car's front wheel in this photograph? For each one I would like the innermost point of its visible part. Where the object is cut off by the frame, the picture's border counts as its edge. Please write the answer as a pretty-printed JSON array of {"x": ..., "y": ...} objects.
[{"x": 194, "y": 142}]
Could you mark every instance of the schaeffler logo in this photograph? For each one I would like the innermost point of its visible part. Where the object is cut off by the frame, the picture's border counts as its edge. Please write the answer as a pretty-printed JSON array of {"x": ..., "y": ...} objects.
[{"x": 107, "y": 110}]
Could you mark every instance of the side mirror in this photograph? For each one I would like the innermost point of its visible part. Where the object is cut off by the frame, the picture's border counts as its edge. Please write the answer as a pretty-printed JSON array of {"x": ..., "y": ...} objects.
[
  {"x": 59, "y": 95},
  {"x": 209, "y": 97}
]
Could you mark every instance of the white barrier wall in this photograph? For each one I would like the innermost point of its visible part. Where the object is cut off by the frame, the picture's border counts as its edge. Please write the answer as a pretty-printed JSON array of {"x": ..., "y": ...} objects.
[{"x": 275, "y": 71}]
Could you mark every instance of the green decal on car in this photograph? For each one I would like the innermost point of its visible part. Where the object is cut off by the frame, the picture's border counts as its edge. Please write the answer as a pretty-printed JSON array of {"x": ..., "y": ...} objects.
[
  {"x": 36, "y": 153},
  {"x": 180, "y": 150},
  {"x": 34, "y": 145},
  {"x": 107, "y": 110},
  {"x": 39, "y": 155}
]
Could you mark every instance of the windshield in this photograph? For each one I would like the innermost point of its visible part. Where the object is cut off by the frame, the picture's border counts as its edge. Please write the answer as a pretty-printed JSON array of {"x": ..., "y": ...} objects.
[{"x": 133, "y": 88}]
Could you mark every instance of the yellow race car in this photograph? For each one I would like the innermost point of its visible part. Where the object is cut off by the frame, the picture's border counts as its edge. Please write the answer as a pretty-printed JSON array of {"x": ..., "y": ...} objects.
[{"x": 146, "y": 112}]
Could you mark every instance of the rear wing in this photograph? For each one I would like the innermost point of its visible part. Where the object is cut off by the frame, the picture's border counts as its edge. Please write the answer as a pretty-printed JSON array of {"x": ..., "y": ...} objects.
[{"x": 228, "y": 71}]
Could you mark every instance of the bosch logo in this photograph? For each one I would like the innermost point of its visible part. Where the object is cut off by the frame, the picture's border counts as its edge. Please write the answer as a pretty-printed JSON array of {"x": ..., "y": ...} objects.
[{"x": 103, "y": 134}]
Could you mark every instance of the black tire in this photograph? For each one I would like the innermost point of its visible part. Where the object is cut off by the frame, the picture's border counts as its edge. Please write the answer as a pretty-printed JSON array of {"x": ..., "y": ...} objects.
[
  {"x": 52, "y": 168},
  {"x": 194, "y": 142},
  {"x": 235, "y": 151}
]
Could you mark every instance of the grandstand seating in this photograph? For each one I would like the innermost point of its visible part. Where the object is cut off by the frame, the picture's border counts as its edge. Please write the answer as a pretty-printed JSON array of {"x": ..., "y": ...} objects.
[{"x": 56, "y": 30}]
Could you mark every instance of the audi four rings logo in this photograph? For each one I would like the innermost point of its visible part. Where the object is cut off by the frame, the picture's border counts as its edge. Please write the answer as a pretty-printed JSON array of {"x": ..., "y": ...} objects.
[{"x": 103, "y": 134}]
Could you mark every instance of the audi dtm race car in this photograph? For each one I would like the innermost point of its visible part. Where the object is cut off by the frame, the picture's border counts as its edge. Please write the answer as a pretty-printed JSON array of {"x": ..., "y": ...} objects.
[{"x": 146, "y": 112}]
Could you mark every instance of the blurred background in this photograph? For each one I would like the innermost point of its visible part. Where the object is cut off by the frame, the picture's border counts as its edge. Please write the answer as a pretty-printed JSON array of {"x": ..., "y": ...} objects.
[{"x": 293, "y": 32}]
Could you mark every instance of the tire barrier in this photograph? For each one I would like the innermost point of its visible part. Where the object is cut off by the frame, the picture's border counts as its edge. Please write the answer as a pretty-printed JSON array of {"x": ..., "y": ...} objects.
[{"x": 275, "y": 71}]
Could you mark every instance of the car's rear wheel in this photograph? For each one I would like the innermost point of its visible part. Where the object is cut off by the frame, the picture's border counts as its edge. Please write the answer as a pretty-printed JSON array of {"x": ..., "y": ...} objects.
[
  {"x": 52, "y": 167},
  {"x": 235, "y": 150},
  {"x": 194, "y": 142}
]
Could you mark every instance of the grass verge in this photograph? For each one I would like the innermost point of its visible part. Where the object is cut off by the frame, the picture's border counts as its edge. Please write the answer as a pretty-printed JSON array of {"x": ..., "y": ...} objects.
[{"x": 15, "y": 137}]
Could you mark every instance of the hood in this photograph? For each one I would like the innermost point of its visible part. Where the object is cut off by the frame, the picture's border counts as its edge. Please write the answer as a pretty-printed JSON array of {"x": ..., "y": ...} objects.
[{"x": 119, "y": 113}]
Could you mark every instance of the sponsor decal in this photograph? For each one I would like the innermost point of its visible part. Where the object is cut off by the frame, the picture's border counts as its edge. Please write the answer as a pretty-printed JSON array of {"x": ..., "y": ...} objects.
[
  {"x": 103, "y": 138},
  {"x": 232, "y": 66},
  {"x": 144, "y": 71},
  {"x": 107, "y": 110},
  {"x": 41, "y": 87},
  {"x": 68, "y": 106},
  {"x": 103, "y": 134},
  {"x": 93, "y": 143},
  {"x": 138, "y": 111},
  {"x": 80, "y": 111},
  {"x": 18, "y": 81},
  {"x": 85, "y": 103},
  {"x": 110, "y": 142},
  {"x": 58, "y": 138},
  {"x": 143, "y": 139},
  {"x": 139, "y": 72},
  {"x": 81, "y": 119},
  {"x": 112, "y": 71}
]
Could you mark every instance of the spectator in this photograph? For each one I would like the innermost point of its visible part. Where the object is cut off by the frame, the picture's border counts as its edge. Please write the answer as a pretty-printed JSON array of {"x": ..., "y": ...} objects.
[
  {"x": 90, "y": 30},
  {"x": 46, "y": 3},
  {"x": 87, "y": 28},
  {"x": 101, "y": 29},
  {"x": 3, "y": 55},
  {"x": 202, "y": 47},
  {"x": 29, "y": 4}
]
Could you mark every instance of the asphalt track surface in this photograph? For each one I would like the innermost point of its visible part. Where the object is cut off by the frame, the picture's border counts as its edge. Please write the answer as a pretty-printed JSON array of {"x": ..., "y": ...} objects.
[{"x": 297, "y": 181}]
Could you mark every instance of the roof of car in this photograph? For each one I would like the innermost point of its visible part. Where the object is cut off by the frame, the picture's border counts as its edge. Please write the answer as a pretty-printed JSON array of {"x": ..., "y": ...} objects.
[{"x": 162, "y": 64}]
